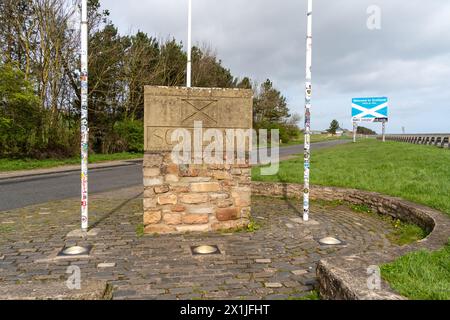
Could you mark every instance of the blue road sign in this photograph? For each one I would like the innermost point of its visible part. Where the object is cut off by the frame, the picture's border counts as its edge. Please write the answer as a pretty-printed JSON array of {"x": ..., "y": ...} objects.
[{"x": 370, "y": 109}]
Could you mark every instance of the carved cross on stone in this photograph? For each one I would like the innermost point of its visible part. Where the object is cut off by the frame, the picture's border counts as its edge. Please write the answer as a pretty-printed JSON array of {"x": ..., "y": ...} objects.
[{"x": 199, "y": 110}]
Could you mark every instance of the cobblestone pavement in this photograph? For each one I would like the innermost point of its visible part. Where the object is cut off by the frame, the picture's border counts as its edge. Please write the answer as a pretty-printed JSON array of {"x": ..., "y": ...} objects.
[{"x": 275, "y": 262}]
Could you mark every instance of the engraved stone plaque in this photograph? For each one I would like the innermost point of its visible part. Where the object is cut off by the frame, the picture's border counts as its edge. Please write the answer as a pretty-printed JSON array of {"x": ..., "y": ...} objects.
[{"x": 170, "y": 108}]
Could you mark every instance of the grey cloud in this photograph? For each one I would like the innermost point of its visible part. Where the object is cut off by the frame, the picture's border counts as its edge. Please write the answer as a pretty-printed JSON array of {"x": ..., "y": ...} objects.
[{"x": 408, "y": 59}]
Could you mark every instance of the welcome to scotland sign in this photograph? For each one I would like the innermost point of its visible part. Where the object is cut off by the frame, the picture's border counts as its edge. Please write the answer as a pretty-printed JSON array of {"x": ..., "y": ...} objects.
[{"x": 370, "y": 109}]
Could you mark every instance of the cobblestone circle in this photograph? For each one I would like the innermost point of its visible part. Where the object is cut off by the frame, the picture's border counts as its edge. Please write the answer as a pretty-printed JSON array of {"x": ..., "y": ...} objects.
[{"x": 277, "y": 261}]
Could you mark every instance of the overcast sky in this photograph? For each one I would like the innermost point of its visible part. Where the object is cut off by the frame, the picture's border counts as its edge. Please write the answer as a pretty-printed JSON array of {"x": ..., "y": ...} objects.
[{"x": 408, "y": 60}]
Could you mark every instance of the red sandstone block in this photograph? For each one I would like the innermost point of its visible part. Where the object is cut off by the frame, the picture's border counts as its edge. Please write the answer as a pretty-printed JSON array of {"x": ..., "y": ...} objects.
[{"x": 226, "y": 214}]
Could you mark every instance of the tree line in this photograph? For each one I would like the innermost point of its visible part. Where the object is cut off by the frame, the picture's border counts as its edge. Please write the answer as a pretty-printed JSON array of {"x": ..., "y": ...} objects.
[{"x": 40, "y": 87}]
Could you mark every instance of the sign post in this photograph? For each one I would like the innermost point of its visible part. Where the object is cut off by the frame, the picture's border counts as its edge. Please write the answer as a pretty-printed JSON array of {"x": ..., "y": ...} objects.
[
  {"x": 370, "y": 110},
  {"x": 308, "y": 94},
  {"x": 354, "y": 131},
  {"x": 84, "y": 116}
]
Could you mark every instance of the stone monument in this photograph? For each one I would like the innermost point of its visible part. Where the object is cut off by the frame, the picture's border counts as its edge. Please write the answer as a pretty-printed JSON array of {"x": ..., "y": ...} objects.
[{"x": 195, "y": 194}]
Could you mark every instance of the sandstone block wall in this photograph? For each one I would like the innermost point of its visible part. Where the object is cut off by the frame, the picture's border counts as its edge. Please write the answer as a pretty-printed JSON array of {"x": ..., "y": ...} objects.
[
  {"x": 180, "y": 198},
  {"x": 196, "y": 197}
]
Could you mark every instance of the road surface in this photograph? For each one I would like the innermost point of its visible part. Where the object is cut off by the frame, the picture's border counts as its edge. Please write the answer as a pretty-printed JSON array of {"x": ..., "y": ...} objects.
[{"x": 23, "y": 191}]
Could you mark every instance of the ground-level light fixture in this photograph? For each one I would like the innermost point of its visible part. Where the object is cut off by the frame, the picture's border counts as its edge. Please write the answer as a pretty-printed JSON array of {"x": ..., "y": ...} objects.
[
  {"x": 75, "y": 251},
  {"x": 205, "y": 250},
  {"x": 330, "y": 241}
]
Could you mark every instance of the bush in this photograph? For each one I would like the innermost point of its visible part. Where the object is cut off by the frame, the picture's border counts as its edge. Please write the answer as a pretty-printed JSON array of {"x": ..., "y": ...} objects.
[
  {"x": 287, "y": 132},
  {"x": 20, "y": 114},
  {"x": 130, "y": 135}
]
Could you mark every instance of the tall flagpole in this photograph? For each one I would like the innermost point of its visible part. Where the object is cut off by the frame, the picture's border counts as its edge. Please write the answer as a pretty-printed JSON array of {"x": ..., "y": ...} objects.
[
  {"x": 189, "y": 49},
  {"x": 84, "y": 116},
  {"x": 308, "y": 94}
]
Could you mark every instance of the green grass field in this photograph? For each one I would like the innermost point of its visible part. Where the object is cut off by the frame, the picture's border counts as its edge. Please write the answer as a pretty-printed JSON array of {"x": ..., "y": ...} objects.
[
  {"x": 26, "y": 164},
  {"x": 413, "y": 172},
  {"x": 421, "y": 275}
]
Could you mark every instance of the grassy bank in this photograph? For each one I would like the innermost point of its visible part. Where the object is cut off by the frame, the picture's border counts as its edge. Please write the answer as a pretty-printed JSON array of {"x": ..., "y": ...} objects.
[
  {"x": 27, "y": 164},
  {"x": 414, "y": 172},
  {"x": 421, "y": 275}
]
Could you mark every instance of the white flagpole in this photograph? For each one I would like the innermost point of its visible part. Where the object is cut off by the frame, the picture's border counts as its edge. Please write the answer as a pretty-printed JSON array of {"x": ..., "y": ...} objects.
[
  {"x": 84, "y": 116},
  {"x": 308, "y": 94},
  {"x": 189, "y": 49}
]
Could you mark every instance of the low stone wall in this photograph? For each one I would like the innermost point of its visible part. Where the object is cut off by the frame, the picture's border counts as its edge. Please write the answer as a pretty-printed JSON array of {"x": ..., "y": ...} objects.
[
  {"x": 346, "y": 277},
  {"x": 182, "y": 198},
  {"x": 438, "y": 140}
]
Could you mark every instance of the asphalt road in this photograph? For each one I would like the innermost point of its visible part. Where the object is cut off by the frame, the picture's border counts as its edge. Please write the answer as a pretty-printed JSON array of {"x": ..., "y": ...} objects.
[{"x": 21, "y": 192}]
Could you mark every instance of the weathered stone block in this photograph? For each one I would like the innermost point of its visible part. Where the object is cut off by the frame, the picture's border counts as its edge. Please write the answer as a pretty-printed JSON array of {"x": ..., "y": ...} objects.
[
  {"x": 242, "y": 197},
  {"x": 167, "y": 199},
  {"x": 178, "y": 208},
  {"x": 221, "y": 175},
  {"x": 200, "y": 209},
  {"x": 149, "y": 203},
  {"x": 162, "y": 189},
  {"x": 179, "y": 188},
  {"x": 195, "y": 218},
  {"x": 224, "y": 203},
  {"x": 159, "y": 228},
  {"x": 152, "y": 217},
  {"x": 236, "y": 172},
  {"x": 149, "y": 192},
  {"x": 205, "y": 187},
  {"x": 172, "y": 178},
  {"x": 193, "y": 198},
  {"x": 152, "y": 160},
  {"x": 172, "y": 218},
  {"x": 150, "y": 182},
  {"x": 195, "y": 179},
  {"x": 189, "y": 171},
  {"x": 152, "y": 172},
  {"x": 219, "y": 196},
  {"x": 193, "y": 228},
  {"x": 172, "y": 169},
  {"x": 225, "y": 214}
]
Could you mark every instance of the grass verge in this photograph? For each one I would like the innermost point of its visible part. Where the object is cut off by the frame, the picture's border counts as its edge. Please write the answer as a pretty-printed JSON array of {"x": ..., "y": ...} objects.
[
  {"x": 402, "y": 232},
  {"x": 27, "y": 164},
  {"x": 421, "y": 275},
  {"x": 413, "y": 172}
]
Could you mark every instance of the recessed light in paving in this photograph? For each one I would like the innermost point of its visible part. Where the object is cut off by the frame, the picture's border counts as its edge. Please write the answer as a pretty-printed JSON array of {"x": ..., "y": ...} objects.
[
  {"x": 75, "y": 251},
  {"x": 205, "y": 250},
  {"x": 330, "y": 241},
  {"x": 105, "y": 265}
]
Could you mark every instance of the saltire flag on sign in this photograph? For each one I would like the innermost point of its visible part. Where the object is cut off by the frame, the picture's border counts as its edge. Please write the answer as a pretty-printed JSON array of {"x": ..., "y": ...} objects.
[{"x": 369, "y": 109}]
